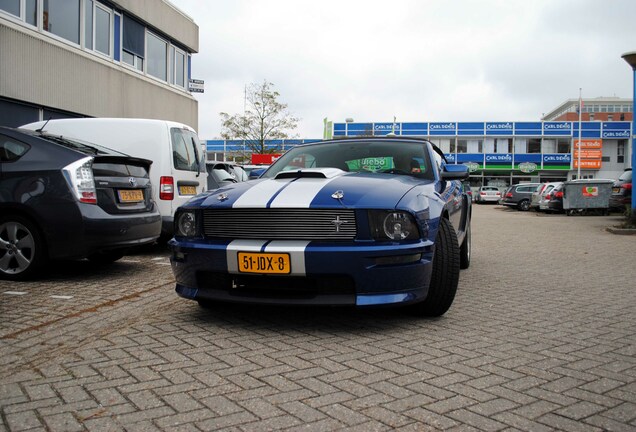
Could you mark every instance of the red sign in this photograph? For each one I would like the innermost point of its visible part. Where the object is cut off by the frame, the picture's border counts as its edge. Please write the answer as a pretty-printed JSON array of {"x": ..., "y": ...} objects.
[
  {"x": 588, "y": 164},
  {"x": 264, "y": 159},
  {"x": 588, "y": 154}
]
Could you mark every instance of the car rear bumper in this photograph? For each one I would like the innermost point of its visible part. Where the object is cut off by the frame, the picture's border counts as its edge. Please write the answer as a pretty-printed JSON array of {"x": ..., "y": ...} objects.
[
  {"x": 92, "y": 230},
  {"x": 333, "y": 274}
]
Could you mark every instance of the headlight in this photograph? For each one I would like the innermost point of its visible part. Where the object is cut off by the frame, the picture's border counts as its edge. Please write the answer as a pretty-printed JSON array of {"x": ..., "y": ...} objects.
[
  {"x": 186, "y": 224},
  {"x": 393, "y": 225}
]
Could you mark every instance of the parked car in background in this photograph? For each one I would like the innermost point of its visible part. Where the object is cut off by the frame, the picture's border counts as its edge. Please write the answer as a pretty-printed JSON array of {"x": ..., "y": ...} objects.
[
  {"x": 62, "y": 198},
  {"x": 361, "y": 222},
  {"x": 519, "y": 196},
  {"x": 552, "y": 201},
  {"x": 178, "y": 171},
  {"x": 539, "y": 193},
  {"x": 622, "y": 192},
  {"x": 223, "y": 173},
  {"x": 488, "y": 194}
]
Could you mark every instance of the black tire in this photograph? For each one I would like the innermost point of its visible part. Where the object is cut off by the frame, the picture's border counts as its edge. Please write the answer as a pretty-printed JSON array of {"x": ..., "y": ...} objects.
[
  {"x": 22, "y": 249},
  {"x": 465, "y": 249},
  {"x": 106, "y": 257},
  {"x": 445, "y": 276},
  {"x": 524, "y": 205}
]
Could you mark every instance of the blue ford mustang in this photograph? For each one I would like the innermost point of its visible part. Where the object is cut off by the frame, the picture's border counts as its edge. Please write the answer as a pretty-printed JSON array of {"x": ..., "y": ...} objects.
[{"x": 367, "y": 221}]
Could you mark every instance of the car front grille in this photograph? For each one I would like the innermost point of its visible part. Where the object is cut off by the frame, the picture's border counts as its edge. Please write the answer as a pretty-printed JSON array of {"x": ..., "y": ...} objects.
[{"x": 280, "y": 224}]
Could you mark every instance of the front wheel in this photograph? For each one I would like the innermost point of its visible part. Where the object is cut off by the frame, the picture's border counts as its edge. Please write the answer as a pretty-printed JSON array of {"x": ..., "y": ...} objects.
[
  {"x": 22, "y": 251},
  {"x": 445, "y": 275}
]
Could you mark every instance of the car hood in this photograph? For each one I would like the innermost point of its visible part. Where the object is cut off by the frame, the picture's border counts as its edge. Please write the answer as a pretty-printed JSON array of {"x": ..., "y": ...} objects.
[{"x": 333, "y": 189}]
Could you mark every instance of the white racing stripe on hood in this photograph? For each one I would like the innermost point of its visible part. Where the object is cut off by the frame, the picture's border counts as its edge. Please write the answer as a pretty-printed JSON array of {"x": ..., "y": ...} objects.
[
  {"x": 237, "y": 246},
  {"x": 260, "y": 194},
  {"x": 300, "y": 193},
  {"x": 296, "y": 250}
]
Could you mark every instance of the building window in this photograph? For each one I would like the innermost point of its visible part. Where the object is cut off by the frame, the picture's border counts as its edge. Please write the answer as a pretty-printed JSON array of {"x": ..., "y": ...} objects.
[
  {"x": 534, "y": 145},
  {"x": 97, "y": 27},
  {"x": 133, "y": 51},
  {"x": 157, "y": 57},
  {"x": 62, "y": 18},
  {"x": 14, "y": 7},
  {"x": 610, "y": 117},
  {"x": 620, "y": 151},
  {"x": 103, "y": 25},
  {"x": 471, "y": 145},
  {"x": 563, "y": 145}
]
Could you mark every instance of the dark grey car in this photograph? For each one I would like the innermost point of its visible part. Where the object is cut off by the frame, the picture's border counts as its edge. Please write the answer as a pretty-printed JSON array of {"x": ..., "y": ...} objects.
[
  {"x": 62, "y": 198},
  {"x": 519, "y": 196}
]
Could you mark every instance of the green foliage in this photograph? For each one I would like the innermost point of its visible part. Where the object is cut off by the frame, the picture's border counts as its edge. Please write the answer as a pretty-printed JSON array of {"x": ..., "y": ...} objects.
[{"x": 264, "y": 118}]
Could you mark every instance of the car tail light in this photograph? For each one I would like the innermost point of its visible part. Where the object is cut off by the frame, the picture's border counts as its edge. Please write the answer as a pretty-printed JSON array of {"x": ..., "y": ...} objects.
[
  {"x": 166, "y": 188},
  {"x": 627, "y": 186},
  {"x": 498, "y": 194},
  {"x": 482, "y": 193},
  {"x": 558, "y": 194},
  {"x": 79, "y": 176},
  {"x": 509, "y": 195}
]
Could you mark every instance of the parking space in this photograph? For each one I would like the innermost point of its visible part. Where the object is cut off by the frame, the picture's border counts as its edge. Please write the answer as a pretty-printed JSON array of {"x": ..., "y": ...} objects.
[{"x": 542, "y": 336}]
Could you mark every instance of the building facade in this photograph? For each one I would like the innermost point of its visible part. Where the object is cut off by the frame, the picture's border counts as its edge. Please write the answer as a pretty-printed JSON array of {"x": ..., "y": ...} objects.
[
  {"x": 597, "y": 109},
  {"x": 90, "y": 58},
  {"x": 505, "y": 153}
]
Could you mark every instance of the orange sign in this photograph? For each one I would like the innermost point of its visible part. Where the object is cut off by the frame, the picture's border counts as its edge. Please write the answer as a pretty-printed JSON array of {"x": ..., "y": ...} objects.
[
  {"x": 589, "y": 144},
  {"x": 588, "y": 154},
  {"x": 588, "y": 164}
]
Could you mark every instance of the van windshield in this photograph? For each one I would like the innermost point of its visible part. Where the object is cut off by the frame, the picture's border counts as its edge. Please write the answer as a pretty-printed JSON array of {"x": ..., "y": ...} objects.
[{"x": 185, "y": 150}]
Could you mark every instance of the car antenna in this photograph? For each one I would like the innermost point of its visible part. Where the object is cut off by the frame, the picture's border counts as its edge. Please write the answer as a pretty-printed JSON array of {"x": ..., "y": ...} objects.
[{"x": 45, "y": 123}]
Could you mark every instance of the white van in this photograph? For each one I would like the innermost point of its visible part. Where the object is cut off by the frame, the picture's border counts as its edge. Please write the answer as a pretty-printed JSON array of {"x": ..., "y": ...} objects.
[{"x": 178, "y": 169}]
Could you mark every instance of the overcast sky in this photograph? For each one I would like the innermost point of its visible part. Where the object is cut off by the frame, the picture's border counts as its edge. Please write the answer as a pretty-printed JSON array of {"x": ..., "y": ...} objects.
[{"x": 426, "y": 60}]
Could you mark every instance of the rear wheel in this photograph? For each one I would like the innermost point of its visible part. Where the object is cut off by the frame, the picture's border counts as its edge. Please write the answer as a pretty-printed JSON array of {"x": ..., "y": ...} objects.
[
  {"x": 524, "y": 205},
  {"x": 445, "y": 275},
  {"x": 22, "y": 251}
]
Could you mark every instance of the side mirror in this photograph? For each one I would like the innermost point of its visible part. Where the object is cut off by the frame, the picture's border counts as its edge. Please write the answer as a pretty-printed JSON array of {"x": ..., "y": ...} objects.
[
  {"x": 454, "y": 172},
  {"x": 256, "y": 173}
]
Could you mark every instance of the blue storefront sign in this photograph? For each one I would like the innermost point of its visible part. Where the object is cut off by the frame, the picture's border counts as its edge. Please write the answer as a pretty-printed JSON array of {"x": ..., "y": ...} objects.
[
  {"x": 499, "y": 128},
  {"x": 386, "y": 128},
  {"x": 616, "y": 130},
  {"x": 471, "y": 129},
  {"x": 557, "y": 128},
  {"x": 588, "y": 129},
  {"x": 528, "y": 128},
  {"x": 414, "y": 129},
  {"x": 438, "y": 129}
]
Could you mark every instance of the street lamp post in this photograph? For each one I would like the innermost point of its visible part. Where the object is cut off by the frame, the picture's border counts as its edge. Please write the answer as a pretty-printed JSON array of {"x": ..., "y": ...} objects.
[{"x": 630, "y": 58}]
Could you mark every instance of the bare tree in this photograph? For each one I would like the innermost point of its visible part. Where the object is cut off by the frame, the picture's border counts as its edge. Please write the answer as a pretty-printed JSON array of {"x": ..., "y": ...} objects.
[{"x": 265, "y": 118}]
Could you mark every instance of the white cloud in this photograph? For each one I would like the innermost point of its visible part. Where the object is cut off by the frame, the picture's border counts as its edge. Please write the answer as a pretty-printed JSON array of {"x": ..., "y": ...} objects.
[{"x": 426, "y": 60}]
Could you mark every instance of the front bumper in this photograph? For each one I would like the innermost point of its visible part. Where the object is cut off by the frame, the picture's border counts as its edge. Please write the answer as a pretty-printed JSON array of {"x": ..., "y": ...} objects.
[{"x": 322, "y": 274}]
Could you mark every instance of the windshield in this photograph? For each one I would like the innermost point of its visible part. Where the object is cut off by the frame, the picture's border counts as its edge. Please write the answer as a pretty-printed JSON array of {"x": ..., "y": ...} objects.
[{"x": 371, "y": 156}]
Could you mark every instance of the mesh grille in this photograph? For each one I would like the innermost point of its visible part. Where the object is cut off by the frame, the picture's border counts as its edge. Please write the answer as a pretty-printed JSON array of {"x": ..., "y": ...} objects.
[{"x": 280, "y": 224}]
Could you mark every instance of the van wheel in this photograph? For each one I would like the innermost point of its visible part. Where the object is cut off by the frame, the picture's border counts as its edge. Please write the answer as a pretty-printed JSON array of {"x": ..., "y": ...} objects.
[
  {"x": 445, "y": 275},
  {"x": 22, "y": 251},
  {"x": 524, "y": 205}
]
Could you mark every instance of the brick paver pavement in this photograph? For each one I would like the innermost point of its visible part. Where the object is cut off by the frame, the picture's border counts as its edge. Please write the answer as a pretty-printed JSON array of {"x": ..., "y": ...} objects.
[{"x": 541, "y": 337}]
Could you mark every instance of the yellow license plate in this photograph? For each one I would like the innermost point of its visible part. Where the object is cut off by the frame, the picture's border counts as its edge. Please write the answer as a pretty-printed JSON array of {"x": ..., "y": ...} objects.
[
  {"x": 187, "y": 190},
  {"x": 264, "y": 263},
  {"x": 130, "y": 195}
]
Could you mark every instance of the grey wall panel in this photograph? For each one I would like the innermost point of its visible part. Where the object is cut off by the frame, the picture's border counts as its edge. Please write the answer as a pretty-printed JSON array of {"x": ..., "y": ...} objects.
[
  {"x": 39, "y": 70},
  {"x": 167, "y": 18}
]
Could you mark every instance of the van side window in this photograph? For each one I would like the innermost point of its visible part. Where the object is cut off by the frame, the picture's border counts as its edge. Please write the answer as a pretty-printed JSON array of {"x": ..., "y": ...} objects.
[{"x": 185, "y": 154}]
